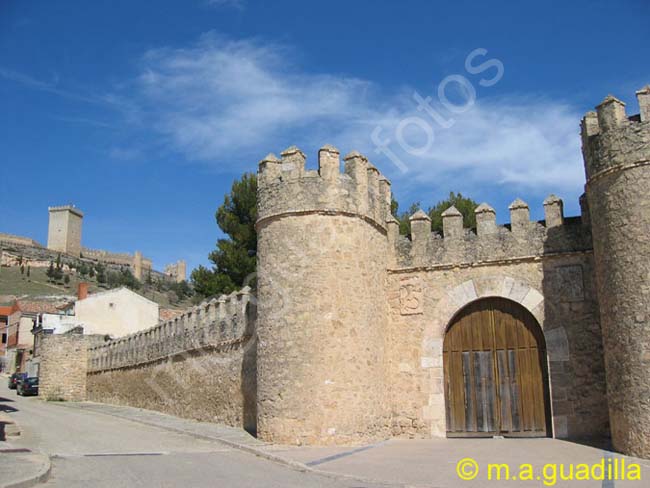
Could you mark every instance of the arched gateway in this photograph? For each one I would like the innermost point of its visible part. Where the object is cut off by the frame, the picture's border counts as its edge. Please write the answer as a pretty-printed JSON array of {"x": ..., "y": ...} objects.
[{"x": 494, "y": 358}]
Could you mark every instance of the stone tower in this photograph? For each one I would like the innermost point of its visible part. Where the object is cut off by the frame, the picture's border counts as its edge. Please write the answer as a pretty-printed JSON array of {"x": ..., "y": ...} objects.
[
  {"x": 616, "y": 150},
  {"x": 137, "y": 265},
  {"x": 322, "y": 259},
  {"x": 64, "y": 230}
]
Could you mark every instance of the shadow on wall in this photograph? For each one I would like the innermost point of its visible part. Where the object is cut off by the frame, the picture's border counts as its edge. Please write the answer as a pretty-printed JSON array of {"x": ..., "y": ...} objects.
[
  {"x": 249, "y": 373},
  {"x": 573, "y": 335}
]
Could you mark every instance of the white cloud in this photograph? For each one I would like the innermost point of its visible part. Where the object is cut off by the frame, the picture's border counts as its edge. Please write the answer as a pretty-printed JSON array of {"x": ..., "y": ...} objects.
[
  {"x": 224, "y": 101},
  {"x": 228, "y": 103}
]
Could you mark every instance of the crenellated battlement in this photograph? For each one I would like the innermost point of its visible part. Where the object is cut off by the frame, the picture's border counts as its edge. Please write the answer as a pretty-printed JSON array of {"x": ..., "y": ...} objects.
[
  {"x": 216, "y": 323},
  {"x": 489, "y": 242},
  {"x": 68, "y": 208},
  {"x": 612, "y": 140},
  {"x": 285, "y": 187}
]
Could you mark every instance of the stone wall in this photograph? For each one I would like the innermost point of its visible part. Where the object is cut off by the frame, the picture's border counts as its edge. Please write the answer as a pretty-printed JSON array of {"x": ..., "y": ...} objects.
[
  {"x": 322, "y": 252},
  {"x": 176, "y": 271},
  {"x": 546, "y": 267},
  {"x": 200, "y": 365},
  {"x": 617, "y": 160},
  {"x": 63, "y": 367},
  {"x": 119, "y": 259},
  {"x": 22, "y": 241}
]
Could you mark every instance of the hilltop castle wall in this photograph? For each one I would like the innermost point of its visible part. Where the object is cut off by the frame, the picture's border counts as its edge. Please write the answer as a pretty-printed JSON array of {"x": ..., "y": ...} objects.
[{"x": 10, "y": 239}]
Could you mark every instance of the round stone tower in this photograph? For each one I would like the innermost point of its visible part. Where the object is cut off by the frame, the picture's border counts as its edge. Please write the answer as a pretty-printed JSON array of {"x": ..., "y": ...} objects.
[
  {"x": 616, "y": 151},
  {"x": 322, "y": 258}
]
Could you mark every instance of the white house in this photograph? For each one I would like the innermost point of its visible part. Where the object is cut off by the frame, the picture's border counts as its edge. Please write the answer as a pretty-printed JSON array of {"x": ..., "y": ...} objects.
[{"x": 115, "y": 312}]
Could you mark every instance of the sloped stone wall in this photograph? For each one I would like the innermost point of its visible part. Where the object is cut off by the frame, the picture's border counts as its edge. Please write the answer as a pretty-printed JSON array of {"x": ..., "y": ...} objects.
[{"x": 201, "y": 365}]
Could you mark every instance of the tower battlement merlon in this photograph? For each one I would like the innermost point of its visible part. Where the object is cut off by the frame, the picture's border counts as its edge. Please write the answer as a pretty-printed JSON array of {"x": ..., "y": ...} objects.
[
  {"x": 521, "y": 239},
  {"x": 286, "y": 187},
  {"x": 612, "y": 141}
]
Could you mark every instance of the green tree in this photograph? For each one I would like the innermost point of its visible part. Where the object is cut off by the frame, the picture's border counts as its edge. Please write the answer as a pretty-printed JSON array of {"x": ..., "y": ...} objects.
[
  {"x": 100, "y": 271},
  {"x": 465, "y": 206},
  {"x": 22, "y": 269},
  {"x": 50, "y": 272},
  {"x": 127, "y": 279},
  {"x": 66, "y": 280},
  {"x": 403, "y": 218},
  {"x": 235, "y": 259},
  {"x": 58, "y": 275}
]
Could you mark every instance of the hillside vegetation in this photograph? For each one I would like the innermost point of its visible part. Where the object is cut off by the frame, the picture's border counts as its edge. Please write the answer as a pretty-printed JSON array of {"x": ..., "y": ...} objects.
[{"x": 13, "y": 282}]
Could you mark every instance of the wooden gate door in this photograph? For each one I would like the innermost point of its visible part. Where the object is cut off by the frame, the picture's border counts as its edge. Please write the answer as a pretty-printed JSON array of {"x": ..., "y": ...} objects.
[{"x": 495, "y": 372}]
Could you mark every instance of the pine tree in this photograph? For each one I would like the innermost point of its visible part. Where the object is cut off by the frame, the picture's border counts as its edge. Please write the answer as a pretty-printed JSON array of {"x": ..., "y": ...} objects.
[
  {"x": 50, "y": 272},
  {"x": 465, "y": 206},
  {"x": 235, "y": 258},
  {"x": 101, "y": 273}
]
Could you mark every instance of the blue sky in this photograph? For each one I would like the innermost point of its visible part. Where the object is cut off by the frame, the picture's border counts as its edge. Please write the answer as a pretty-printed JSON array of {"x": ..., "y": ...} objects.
[{"x": 143, "y": 112}]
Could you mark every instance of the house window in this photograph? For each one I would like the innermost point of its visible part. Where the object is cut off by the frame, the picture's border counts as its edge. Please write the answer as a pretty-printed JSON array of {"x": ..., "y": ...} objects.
[
  {"x": 111, "y": 305},
  {"x": 4, "y": 338}
]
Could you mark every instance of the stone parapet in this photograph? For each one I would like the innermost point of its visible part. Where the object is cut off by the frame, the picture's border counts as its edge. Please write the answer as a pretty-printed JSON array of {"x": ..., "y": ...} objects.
[
  {"x": 223, "y": 321},
  {"x": 612, "y": 141},
  {"x": 11, "y": 239},
  {"x": 66, "y": 208},
  {"x": 490, "y": 242},
  {"x": 285, "y": 187}
]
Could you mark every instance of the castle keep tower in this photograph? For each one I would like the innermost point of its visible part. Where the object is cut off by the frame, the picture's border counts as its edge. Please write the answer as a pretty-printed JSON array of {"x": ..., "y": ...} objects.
[
  {"x": 322, "y": 252},
  {"x": 616, "y": 150},
  {"x": 64, "y": 230}
]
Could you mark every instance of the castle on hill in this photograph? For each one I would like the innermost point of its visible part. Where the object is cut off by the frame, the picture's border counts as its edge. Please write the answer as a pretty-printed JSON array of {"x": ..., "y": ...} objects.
[{"x": 64, "y": 236}]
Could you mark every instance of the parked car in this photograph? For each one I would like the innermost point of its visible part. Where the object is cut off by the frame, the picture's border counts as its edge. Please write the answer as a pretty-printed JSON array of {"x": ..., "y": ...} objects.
[
  {"x": 27, "y": 386},
  {"x": 14, "y": 378}
]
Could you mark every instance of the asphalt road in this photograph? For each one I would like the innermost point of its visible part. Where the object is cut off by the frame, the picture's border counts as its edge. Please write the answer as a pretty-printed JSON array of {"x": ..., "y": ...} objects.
[{"x": 91, "y": 449}]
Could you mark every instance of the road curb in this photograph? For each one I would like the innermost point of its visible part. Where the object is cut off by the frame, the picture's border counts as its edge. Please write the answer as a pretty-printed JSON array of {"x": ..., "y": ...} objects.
[
  {"x": 40, "y": 477},
  {"x": 295, "y": 465}
]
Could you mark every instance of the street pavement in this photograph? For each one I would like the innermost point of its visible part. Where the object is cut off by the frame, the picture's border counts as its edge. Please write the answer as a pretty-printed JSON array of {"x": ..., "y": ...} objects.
[
  {"x": 103, "y": 445},
  {"x": 90, "y": 449}
]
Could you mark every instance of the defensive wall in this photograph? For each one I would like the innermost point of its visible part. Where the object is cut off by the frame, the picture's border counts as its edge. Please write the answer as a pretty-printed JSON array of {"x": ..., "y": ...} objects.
[
  {"x": 9, "y": 239},
  {"x": 616, "y": 150},
  {"x": 200, "y": 365},
  {"x": 546, "y": 267},
  {"x": 344, "y": 342}
]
